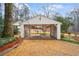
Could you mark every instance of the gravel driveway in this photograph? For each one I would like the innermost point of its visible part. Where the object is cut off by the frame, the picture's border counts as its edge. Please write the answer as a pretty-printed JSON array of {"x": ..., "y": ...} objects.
[{"x": 40, "y": 47}]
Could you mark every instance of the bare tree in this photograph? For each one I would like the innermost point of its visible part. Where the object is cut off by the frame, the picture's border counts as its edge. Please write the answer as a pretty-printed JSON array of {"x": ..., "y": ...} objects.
[
  {"x": 48, "y": 11},
  {"x": 15, "y": 13},
  {"x": 74, "y": 14},
  {"x": 24, "y": 12},
  {"x": 45, "y": 10}
]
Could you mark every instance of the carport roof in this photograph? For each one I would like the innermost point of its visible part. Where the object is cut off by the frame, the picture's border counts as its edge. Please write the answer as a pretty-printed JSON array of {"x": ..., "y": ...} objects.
[{"x": 39, "y": 20}]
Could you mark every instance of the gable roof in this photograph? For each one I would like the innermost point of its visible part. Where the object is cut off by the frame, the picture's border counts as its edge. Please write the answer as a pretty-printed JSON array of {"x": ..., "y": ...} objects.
[{"x": 40, "y": 20}]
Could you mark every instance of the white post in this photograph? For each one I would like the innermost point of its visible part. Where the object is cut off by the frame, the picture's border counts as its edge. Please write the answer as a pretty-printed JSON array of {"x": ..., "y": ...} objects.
[
  {"x": 22, "y": 31},
  {"x": 58, "y": 31},
  {"x": 50, "y": 30}
]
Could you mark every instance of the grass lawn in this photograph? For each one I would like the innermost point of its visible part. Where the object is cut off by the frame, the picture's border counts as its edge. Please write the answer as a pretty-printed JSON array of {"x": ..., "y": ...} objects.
[{"x": 71, "y": 40}]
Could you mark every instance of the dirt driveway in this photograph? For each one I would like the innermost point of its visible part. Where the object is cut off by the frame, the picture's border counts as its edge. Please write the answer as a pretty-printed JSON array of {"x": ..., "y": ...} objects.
[{"x": 44, "y": 48}]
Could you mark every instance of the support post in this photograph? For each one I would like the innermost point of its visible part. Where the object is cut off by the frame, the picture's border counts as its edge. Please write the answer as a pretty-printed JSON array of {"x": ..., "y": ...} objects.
[
  {"x": 58, "y": 31},
  {"x": 22, "y": 31},
  {"x": 29, "y": 30},
  {"x": 50, "y": 32}
]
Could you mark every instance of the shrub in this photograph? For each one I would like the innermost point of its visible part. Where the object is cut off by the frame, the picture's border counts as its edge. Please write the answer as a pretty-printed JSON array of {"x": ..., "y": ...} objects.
[
  {"x": 4, "y": 36},
  {"x": 10, "y": 39},
  {"x": 3, "y": 42},
  {"x": 0, "y": 35},
  {"x": 62, "y": 36},
  {"x": 6, "y": 40},
  {"x": 16, "y": 31}
]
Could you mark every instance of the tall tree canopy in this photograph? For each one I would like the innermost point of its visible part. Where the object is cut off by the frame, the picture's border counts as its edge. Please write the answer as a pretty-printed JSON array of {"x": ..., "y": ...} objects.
[{"x": 66, "y": 23}]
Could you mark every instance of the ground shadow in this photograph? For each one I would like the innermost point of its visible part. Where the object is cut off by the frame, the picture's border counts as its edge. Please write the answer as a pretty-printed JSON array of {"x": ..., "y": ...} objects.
[{"x": 40, "y": 38}]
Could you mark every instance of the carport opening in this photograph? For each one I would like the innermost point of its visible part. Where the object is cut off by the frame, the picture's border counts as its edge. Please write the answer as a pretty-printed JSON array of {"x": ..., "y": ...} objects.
[{"x": 40, "y": 31}]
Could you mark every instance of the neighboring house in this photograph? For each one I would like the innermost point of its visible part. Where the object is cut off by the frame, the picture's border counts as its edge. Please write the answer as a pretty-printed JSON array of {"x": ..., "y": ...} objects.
[{"x": 39, "y": 23}]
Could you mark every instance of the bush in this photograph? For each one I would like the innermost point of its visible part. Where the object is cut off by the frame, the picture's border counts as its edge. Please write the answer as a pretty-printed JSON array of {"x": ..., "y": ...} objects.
[
  {"x": 6, "y": 40},
  {"x": 62, "y": 36},
  {"x": 3, "y": 42},
  {"x": 10, "y": 39},
  {"x": 4, "y": 36},
  {"x": 0, "y": 35},
  {"x": 16, "y": 31}
]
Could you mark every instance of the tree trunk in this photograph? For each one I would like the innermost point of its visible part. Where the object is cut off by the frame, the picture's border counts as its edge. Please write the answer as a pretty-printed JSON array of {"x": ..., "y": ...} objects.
[{"x": 8, "y": 21}]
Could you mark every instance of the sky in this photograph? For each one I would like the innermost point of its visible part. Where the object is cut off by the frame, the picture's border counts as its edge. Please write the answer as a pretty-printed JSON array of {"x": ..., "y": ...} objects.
[{"x": 62, "y": 8}]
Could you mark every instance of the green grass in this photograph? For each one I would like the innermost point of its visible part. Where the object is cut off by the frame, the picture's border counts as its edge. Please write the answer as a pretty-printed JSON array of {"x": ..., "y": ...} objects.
[
  {"x": 6, "y": 40},
  {"x": 69, "y": 40}
]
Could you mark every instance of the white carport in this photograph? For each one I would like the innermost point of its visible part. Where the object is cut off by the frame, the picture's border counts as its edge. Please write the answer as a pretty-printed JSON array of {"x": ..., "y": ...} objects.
[{"x": 40, "y": 21}]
